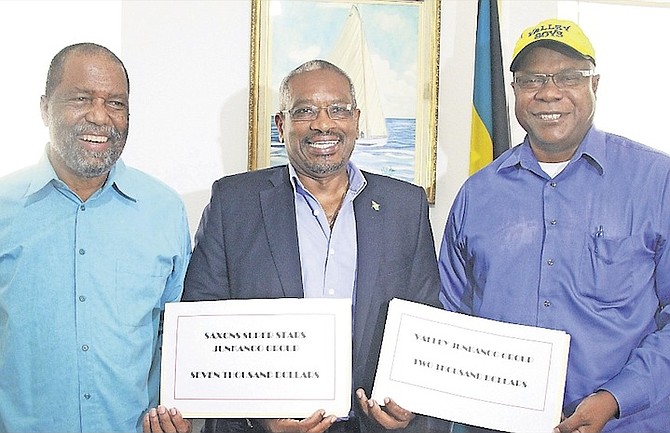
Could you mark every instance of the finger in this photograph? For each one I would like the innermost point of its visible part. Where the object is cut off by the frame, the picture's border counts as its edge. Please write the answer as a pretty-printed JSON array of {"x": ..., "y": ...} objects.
[
  {"x": 285, "y": 425},
  {"x": 397, "y": 412},
  {"x": 317, "y": 422},
  {"x": 154, "y": 423},
  {"x": 363, "y": 401},
  {"x": 146, "y": 425},
  {"x": 569, "y": 425},
  {"x": 382, "y": 418},
  {"x": 314, "y": 418},
  {"x": 323, "y": 425},
  {"x": 165, "y": 420},
  {"x": 182, "y": 425},
  {"x": 375, "y": 412}
]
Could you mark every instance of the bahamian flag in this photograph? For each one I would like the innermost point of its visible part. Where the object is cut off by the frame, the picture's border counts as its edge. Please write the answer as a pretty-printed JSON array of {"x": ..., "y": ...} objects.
[{"x": 490, "y": 134}]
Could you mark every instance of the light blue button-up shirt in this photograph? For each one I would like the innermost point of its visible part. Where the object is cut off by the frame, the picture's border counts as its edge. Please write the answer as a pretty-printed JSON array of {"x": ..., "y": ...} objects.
[
  {"x": 82, "y": 286},
  {"x": 328, "y": 258},
  {"x": 585, "y": 252}
]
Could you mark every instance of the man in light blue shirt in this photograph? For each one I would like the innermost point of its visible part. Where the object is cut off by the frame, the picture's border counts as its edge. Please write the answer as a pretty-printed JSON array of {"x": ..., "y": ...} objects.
[
  {"x": 90, "y": 252},
  {"x": 569, "y": 230}
]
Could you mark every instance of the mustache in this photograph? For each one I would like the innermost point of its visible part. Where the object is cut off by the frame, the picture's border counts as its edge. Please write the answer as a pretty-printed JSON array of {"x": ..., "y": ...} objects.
[{"x": 89, "y": 128}]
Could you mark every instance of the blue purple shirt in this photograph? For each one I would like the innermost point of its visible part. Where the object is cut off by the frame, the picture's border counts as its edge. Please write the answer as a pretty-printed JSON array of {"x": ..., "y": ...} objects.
[
  {"x": 585, "y": 252},
  {"x": 328, "y": 257},
  {"x": 82, "y": 287}
]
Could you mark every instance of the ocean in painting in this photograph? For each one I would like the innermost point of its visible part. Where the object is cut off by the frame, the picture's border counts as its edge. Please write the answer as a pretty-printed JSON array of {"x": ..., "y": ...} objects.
[{"x": 395, "y": 158}]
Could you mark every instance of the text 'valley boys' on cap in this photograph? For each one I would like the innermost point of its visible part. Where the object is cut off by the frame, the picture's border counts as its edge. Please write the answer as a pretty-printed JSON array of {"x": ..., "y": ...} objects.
[{"x": 563, "y": 32}]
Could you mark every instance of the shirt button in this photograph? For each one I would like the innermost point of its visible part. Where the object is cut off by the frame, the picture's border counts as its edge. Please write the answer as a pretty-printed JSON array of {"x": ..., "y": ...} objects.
[
  {"x": 82, "y": 207},
  {"x": 552, "y": 222},
  {"x": 552, "y": 184},
  {"x": 550, "y": 262},
  {"x": 547, "y": 304},
  {"x": 87, "y": 396},
  {"x": 82, "y": 298},
  {"x": 84, "y": 347},
  {"x": 331, "y": 251},
  {"x": 82, "y": 251},
  {"x": 315, "y": 212},
  {"x": 331, "y": 291}
]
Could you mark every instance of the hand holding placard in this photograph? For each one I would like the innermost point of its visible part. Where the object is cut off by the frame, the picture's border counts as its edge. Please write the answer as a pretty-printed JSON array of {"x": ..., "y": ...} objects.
[
  {"x": 471, "y": 370},
  {"x": 261, "y": 358}
]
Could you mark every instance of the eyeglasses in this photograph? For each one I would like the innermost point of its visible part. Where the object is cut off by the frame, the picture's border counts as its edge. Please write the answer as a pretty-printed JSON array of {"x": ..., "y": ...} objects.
[
  {"x": 310, "y": 112},
  {"x": 562, "y": 80}
]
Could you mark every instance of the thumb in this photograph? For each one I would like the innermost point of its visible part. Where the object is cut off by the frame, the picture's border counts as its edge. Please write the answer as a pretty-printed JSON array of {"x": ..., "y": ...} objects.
[{"x": 568, "y": 425}]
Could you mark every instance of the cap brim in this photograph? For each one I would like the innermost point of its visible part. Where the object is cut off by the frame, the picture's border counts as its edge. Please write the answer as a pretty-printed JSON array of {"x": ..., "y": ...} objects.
[{"x": 552, "y": 45}]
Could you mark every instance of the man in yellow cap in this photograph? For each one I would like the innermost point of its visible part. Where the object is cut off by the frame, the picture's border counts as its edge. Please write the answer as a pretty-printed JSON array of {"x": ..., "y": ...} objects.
[{"x": 569, "y": 230}]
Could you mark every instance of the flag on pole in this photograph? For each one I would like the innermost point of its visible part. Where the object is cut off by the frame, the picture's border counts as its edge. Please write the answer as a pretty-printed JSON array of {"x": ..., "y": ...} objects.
[{"x": 490, "y": 134}]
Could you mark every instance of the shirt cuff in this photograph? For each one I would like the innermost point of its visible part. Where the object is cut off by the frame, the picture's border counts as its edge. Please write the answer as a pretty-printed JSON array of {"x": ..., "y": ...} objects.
[{"x": 630, "y": 390}]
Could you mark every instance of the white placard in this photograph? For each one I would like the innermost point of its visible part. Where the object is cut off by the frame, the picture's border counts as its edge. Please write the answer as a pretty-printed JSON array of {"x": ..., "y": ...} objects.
[
  {"x": 260, "y": 358},
  {"x": 471, "y": 370}
]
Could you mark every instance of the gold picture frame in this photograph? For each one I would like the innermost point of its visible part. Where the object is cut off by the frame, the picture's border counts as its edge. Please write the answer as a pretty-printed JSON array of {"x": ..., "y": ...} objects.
[{"x": 402, "y": 39}]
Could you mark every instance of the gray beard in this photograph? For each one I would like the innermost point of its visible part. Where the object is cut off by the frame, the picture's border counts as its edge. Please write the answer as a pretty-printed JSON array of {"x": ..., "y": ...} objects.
[
  {"x": 326, "y": 168},
  {"x": 86, "y": 163}
]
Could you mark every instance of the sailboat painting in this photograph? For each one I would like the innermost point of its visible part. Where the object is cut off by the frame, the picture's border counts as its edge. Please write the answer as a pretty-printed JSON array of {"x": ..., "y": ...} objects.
[
  {"x": 387, "y": 47},
  {"x": 348, "y": 36},
  {"x": 352, "y": 54}
]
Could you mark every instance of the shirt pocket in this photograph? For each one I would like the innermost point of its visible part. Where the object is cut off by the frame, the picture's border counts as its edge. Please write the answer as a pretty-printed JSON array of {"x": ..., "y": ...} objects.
[
  {"x": 608, "y": 266},
  {"x": 138, "y": 292}
]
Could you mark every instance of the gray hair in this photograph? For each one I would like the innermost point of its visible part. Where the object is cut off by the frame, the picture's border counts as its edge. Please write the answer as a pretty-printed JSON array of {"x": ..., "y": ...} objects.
[{"x": 312, "y": 65}]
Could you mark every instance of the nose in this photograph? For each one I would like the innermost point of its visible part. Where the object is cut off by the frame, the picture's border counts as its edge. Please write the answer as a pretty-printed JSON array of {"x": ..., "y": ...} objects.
[
  {"x": 323, "y": 122},
  {"x": 549, "y": 90},
  {"x": 97, "y": 113}
]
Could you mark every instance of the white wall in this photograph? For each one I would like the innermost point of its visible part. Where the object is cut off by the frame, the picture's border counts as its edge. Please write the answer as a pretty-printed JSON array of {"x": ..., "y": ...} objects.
[
  {"x": 188, "y": 63},
  {"x": 189, "y": 66},
  {"x": 31, "y": 33}
]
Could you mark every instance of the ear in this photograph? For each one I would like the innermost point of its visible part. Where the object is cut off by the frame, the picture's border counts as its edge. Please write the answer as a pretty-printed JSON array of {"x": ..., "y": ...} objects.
[
  {"x": 44, "y": 108},
  {"x": 594, "y": 83},
  {"x": 357, "y": 117},
  {"x": 279, "y": 121}
]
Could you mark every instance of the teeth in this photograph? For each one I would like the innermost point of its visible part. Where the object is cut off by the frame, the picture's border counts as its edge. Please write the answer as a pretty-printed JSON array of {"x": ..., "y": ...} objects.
[
  {"x": 554, "y": 116},
  {"x": 323, "y": 144},
  {"x": 94, "y": 138}
]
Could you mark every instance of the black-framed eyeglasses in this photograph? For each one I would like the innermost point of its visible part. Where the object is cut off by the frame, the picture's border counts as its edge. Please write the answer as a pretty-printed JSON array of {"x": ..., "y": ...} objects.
[
  {"x": 310, "y": 112},
  {"x": 562, "y": 80}
]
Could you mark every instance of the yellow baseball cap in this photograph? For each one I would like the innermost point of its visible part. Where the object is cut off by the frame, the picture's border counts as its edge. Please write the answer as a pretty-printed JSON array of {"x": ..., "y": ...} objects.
[{"x": 554, "y": 31}]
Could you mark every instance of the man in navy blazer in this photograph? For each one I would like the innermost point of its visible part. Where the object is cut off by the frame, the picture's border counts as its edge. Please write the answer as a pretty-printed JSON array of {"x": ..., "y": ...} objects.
[{"x": 273, "y": 233}]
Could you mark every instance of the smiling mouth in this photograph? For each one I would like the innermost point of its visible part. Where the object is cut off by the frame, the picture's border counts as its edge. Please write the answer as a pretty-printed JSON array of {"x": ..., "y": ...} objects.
[
  {"x": 552, "y": 116},
  {"x": 323, "y": 144},
  {"x": 96, "y": 139}
]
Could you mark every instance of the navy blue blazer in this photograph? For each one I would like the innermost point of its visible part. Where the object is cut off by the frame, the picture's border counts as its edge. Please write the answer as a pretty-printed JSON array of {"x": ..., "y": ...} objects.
[{"x": 246, "y": 247}]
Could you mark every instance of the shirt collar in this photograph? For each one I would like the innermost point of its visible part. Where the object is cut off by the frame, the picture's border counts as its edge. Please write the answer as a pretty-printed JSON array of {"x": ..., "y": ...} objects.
[
  {"x": 122, "y": 183},
  {"x": 45, "y": 174},
  {"x": 591, "y": 149},
  {"x": 357, "y": 181},
  {"x": 42, "y": 175}
]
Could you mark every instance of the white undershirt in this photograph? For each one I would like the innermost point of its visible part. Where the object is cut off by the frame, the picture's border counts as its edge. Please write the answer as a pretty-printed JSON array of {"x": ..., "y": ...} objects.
[{"x": 553, "y": 168}]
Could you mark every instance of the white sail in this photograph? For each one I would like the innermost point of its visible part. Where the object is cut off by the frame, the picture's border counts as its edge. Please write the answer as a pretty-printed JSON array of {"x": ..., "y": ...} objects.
[{"x": 352, "y": 55}]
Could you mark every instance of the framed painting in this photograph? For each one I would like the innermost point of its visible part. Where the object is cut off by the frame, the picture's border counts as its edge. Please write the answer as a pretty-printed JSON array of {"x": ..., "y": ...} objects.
[{"x": 397, "y": 44}]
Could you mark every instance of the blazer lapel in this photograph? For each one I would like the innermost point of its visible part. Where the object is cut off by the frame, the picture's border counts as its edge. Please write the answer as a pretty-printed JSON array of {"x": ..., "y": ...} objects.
[
  {"x": 369, "y": 224},
  {"x": 278, "y": 211}
]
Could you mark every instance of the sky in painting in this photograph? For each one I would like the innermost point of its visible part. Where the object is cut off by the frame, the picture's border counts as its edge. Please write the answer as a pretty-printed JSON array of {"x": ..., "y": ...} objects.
[{"x": 305, "y": 30}]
